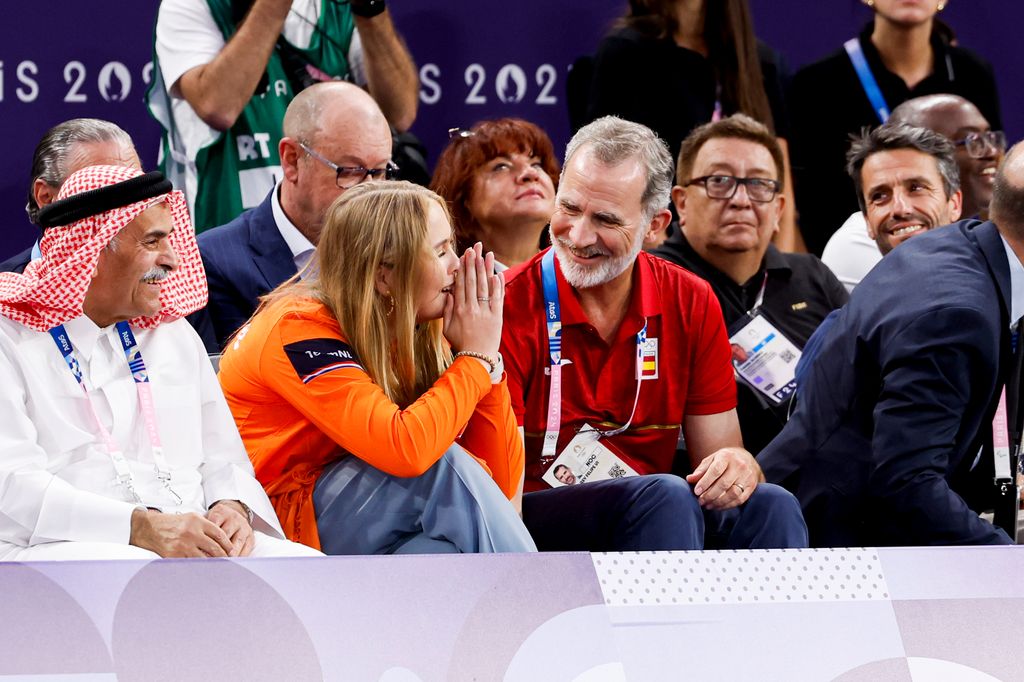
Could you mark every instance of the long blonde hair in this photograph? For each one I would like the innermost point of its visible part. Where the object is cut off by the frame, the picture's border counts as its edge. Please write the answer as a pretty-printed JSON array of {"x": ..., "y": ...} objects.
[{"x": 374, "y": 225}]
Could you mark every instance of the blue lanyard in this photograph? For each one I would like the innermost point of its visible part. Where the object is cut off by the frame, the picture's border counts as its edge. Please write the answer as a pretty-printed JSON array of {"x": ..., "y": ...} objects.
[
  {"x": 552, "y": 312},
  {"x": 552, "y": 309},
  {"x": 867, "y": 79},
  {"x": 136, "y": 365}
]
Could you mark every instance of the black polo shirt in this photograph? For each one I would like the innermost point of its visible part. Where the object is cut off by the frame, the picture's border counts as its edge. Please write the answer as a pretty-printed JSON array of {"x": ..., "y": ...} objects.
[
  {"x": 828, "y": 104},
  {"x": 799, "y": 292}
]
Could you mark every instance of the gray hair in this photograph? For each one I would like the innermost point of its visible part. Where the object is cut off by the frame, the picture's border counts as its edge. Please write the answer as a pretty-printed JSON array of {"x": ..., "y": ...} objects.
[
  {"x": 897, "y": 135},
  {"x": 49, "y": 163},
  {"x": 613, "y": 140}
]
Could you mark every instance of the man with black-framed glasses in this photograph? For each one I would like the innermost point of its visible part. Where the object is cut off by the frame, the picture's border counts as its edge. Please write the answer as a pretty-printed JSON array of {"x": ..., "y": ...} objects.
[
  {"x": 335, "y": 138},
  {"x": 729, "y": 203}
]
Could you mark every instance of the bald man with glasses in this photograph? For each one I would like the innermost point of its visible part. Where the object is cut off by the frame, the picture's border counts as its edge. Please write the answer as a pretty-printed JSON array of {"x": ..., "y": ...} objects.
[{"x": 335, "y": 138}]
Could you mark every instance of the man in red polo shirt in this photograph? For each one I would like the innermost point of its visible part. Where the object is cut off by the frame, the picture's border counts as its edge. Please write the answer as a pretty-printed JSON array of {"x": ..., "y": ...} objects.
[{"x": 609, "y": 354}]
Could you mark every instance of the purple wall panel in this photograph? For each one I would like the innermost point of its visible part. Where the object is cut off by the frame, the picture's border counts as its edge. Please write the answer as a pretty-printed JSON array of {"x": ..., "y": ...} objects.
[{"x": 477, "y": 60}]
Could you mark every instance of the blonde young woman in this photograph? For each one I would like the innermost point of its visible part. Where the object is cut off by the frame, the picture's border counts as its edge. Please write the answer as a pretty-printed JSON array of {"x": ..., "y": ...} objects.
[{"x": 368, "y": 434}]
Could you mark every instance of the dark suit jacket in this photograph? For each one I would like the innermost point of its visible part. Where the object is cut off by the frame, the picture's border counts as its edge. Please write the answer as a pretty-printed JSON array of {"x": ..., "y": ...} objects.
[
  {"x": 900, "y": 397},
  {"x": 17, "y": 263},
  {"x": 244, "y": 260}
]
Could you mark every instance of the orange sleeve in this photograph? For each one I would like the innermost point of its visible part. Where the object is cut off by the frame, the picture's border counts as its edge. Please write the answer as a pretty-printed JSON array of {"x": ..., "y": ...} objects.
[
  {"x": 492, "y": 435},
  {"x": 353, "y": 411}
]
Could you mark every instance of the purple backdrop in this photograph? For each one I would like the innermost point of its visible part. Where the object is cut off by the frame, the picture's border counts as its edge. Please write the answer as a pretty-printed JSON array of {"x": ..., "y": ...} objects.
[{"x": 477, "y": 60}]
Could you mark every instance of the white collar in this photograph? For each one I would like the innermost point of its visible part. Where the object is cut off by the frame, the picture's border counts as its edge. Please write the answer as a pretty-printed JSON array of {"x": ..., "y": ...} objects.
[
  {"x": 1016, "y": 283},
  {"x": 84, "y": 334},
  {"x": 296, "y": 241}
]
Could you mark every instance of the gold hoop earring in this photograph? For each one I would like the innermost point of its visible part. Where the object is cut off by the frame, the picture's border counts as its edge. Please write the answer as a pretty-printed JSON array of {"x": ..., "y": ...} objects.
[{"x": 391, "y": 304}]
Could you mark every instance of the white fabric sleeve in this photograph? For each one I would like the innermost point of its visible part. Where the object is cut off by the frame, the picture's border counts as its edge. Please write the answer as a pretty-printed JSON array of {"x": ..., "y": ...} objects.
[
  {"x": 851, "y": 253},
  {"x": 186, "y": 37},
  {"x": 37, "y": 506},
  {"x": 356, "y": 63},
  {"x": 226, "y": 471}
]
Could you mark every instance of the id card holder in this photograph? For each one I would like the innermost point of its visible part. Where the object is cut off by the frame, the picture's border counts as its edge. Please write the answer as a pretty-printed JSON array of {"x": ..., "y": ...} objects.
[
  {"x": 585, "y": 459},
  {"x": 765, "y": 359}
]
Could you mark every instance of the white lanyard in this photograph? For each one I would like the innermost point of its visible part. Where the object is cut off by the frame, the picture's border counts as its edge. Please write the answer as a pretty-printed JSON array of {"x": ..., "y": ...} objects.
[
  {"x": 133, "y": 356},
  {"x": 1001, "y": 439},
  {"x": 760, "y": 296},
  {"x": 553, "y": 314}
]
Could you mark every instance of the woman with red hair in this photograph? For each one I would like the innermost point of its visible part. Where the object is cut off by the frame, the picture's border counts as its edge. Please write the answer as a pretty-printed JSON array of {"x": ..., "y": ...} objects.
[{"x": 499, "y": 181}]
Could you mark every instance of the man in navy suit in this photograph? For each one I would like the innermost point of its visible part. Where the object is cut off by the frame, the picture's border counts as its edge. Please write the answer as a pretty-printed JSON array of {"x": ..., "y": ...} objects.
[
  {"x": 890, "y": 443},
  {"x": 335, "y": 138}
]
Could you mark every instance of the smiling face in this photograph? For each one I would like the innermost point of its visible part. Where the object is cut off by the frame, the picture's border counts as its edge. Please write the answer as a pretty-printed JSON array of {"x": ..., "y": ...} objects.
[
  {"x": 511, "y": 190},
  {"x": 437, "y": 271},
  {"x": 904, "y": 196},
  {"x": 977, "y": 175},
  {"x": 598, "y": 226},
  {"x": 130, "y": 271},
  {"x": 738, "y": 224}
]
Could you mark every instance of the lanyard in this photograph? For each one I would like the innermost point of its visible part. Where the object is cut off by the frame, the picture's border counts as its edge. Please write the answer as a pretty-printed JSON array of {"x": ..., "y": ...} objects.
[
  {"x": 554, "y": 326},
  {"x": 1001, "y": 440},
  {"x": 760, "y": 296},
  {"x": 133, "y": 356},
  {"x": 867, "y": 79}
]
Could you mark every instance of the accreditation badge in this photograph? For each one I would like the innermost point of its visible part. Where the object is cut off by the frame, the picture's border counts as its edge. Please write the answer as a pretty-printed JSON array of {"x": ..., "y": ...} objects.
[
  {"x": 765, "y": 359},
  {"x": 584, "y": 459},
  {"x": 647, "y": 363}
]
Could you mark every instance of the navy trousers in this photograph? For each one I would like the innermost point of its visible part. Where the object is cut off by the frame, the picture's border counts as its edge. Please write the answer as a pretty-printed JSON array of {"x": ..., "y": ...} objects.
[{"x": 658, "y": 512}]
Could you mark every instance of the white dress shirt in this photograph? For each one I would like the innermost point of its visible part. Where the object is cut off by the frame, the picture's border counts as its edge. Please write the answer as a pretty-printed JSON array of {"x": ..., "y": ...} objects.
[
  {"x": 1016, "y": 283},
  {"x": 56, "y": 477},
  {"x": 302, "y": 249},
  {"x": 851, "y": 252}
]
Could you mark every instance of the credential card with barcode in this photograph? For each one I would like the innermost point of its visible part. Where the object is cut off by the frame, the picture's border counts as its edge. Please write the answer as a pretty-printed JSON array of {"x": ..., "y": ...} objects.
[
  {"x": 765, "y": 359},
  {"x": 584, "y": 459}
]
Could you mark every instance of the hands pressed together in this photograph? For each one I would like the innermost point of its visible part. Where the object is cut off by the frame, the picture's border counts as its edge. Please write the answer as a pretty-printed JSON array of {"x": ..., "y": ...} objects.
[
  {"x": 223, "y": 532},
  {"x": 726, "y": 478},
  {"x": 473, "y": 312}
]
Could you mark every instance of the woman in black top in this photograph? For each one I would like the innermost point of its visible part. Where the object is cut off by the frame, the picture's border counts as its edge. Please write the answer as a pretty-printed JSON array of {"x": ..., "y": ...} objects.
[
  {"x": 675, "y": 64},
  {"x": 909, "y": 55}
]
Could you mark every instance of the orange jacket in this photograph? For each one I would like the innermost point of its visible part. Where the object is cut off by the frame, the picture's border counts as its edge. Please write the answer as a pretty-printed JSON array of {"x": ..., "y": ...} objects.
[{"x": 301, "y": 400}]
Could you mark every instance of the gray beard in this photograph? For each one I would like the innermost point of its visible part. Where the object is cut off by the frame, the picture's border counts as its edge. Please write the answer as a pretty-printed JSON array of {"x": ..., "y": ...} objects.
[{"x": 583, "y": 277}]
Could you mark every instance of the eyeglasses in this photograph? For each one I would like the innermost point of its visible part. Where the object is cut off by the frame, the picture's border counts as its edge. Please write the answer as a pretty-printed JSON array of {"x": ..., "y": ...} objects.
[
  {"x": 349, "y": 176},
  {"x": 978, "y": 144},
  {"x": 725, "y": 186}
]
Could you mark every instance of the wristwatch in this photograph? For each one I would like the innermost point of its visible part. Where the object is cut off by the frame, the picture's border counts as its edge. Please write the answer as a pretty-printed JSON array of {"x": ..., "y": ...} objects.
[
  {"x": 367, "y": 8},
  {"x": 249, "y": 514}
]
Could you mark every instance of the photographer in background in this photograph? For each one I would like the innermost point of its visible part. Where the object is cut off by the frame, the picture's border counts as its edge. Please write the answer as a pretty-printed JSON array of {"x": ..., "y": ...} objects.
[{"x": 227, "y": 69}]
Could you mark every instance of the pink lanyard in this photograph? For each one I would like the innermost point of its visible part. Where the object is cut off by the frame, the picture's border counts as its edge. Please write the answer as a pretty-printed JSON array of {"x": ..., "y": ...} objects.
[{"x": 137, "y": 367}]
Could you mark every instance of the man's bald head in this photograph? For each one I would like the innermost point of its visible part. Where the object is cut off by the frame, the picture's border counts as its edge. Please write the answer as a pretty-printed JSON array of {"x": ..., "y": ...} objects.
[
  {"x": 954, "y": 117},
  {"x": 1007, "y": 210},
  {"x": 326, "y": 126},
  {"x": 927, "y": 111},
  {"x": 305, "y": 118}
]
